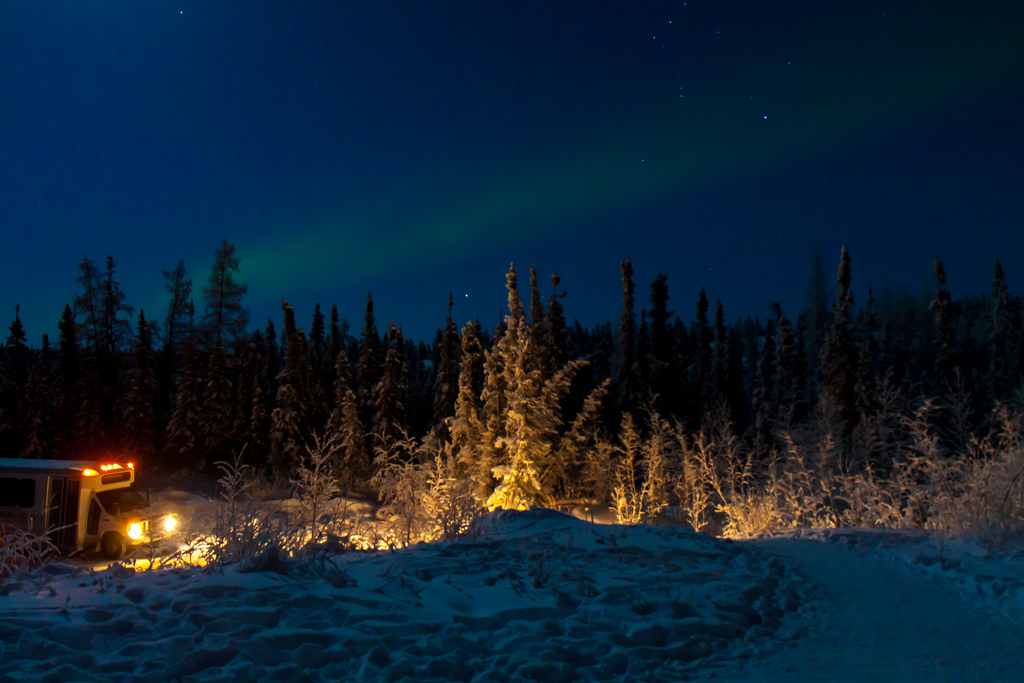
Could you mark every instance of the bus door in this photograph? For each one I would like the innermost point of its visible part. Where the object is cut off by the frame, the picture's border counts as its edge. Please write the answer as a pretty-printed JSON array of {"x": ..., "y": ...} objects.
[{"x": 62, "y": 512}]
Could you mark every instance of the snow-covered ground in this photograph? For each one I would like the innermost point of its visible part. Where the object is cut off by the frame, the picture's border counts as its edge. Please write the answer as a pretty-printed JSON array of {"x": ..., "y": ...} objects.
[{"x": 539, "y": 596}]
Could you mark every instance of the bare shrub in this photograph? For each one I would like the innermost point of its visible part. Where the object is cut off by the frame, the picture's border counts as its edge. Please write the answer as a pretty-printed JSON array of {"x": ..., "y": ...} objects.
[
  {"x": 22, "y": 550},
  {"x": 643, "y": 477},
  {"x": 243, "y": 526}
]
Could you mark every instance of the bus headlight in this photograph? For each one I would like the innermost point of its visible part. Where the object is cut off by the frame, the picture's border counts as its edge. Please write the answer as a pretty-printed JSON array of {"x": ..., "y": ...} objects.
[
  {"x": 135, "y": 530},
  {"x": 170, "y": 523}
]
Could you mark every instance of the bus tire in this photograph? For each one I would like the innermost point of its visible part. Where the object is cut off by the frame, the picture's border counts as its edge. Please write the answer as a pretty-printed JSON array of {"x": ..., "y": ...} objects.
[{"x": 112, "y": 545}]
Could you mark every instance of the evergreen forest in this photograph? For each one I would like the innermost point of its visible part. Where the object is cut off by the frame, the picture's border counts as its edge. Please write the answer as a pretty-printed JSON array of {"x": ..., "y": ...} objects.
[{"x": 895, "y": 411}]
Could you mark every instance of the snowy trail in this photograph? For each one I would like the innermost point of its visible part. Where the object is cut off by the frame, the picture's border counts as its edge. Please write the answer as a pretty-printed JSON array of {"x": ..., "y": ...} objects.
[{"x": 872, "y": 618}]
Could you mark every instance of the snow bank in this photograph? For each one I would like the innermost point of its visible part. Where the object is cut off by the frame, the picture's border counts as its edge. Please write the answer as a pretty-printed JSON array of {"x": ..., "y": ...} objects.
[{"x": 528, "y": 595}]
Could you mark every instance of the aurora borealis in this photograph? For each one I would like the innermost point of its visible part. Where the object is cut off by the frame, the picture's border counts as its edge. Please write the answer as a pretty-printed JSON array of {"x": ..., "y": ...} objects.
[{"x": 411, "y": 149}]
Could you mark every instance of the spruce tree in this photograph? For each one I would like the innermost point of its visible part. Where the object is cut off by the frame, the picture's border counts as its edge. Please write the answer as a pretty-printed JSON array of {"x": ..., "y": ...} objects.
[
  {"x": 839, "y": 354},
  {"x": 218, "y": 406},
  {"x": 556, "y": 341},
  {"x": 176, "y": 325},
  {"x": 224, "y": 315},
  {"x": 288, "y": 418},
  {"x": 184, "y": 430},
  {"x": 138, "y": 433},
  {"x": 368, "y": 367},
  {"x": 446, "y": 380},
  {"x": 39, "y": 407},
  {"x": 466, "y": 428},
  {"x": 716, "y": 392},
  {"x": 999, "y": 336},
  {"x": 389, "y": 400},
  {"x": 87, "y": 305},
  {"x": 700, "y": 334},
  {"x": 625, "y": 356},
  {"x": 945, "y": 330},
  {"x": 69, "y": 389}
]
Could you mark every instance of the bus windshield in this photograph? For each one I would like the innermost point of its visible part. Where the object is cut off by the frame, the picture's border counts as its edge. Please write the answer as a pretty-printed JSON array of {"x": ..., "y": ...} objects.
[{"x": 125, "y": 499}]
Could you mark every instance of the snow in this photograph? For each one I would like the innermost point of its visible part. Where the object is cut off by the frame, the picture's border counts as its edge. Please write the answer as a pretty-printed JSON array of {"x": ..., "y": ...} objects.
[{"x": 538, "y": 595}]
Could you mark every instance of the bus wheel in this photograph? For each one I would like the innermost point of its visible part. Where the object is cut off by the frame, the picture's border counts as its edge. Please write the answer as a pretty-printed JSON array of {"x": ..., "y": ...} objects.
[{"x": 112, "y": 545}]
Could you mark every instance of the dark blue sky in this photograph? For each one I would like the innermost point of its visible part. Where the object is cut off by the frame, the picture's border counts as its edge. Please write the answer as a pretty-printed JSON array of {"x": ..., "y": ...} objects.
[{"x": 410, "y": 149}]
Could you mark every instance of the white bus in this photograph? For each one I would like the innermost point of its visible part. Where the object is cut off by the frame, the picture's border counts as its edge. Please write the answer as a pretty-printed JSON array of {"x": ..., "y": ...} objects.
[{"x": 79, "y": 505}]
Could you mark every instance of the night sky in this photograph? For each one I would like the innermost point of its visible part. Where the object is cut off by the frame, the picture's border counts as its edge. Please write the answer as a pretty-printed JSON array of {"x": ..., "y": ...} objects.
[{"x": 412, "y": 149}]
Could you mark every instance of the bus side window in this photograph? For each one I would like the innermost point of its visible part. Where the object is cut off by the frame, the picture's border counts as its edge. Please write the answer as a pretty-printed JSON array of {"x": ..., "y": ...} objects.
[
  {"x": 93, "y": 524},
  {"x": 19, "y": 493}
]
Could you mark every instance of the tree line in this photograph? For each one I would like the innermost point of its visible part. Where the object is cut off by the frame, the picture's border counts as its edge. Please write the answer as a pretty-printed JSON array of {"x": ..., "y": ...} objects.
[{"x": 533, "y": 411}]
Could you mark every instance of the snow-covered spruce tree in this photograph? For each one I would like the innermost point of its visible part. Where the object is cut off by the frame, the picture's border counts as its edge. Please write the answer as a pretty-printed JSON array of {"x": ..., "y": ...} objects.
[
  {"x": 389, "y": 396},
  {"x": 525, "y": 443},
  {"x": 465, "y": 430},
  {"x": 586, "y": 467},
  {"x": 288, "y": 418},
  {"x": 446, "y": 380},
  {"x": 184, "y": 431},
  {"x": 138, "y": 432},
  {"x": 218, "y": 405},
  {"x": 346, "y": 428},
  {"x": 496, "y": 385}
]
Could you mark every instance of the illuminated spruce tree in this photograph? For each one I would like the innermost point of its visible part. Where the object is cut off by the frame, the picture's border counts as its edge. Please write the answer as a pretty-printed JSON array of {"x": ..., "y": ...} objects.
[
  {"x": 497, "y": 376},
  {"x": 533, "y": 453},
  {"x": 521, "y": 445}
]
